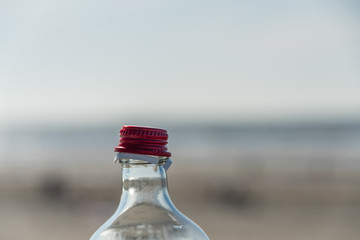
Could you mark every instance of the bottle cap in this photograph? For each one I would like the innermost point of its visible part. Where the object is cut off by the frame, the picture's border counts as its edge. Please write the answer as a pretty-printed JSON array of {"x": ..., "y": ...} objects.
[{"x": 143, "y": 140}]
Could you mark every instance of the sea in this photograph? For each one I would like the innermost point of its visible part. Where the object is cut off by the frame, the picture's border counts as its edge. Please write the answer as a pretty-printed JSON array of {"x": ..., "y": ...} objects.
[{"x": 275, "y": 146}]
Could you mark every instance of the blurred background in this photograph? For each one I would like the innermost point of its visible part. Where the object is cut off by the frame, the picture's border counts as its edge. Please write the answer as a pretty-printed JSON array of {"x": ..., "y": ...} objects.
[{"x": 261, "y": 100}]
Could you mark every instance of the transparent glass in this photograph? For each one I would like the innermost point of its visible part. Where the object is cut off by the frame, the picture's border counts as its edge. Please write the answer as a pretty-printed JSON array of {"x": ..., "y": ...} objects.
[{"x": 145, "y": 211}]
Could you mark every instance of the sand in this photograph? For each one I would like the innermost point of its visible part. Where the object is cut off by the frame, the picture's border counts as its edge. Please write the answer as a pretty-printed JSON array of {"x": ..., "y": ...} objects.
[{"x": 70, "y": 203}]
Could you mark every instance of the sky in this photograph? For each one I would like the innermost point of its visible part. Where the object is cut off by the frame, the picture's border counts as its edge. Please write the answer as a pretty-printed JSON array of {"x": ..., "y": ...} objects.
[{"x": 98, "y": 62}]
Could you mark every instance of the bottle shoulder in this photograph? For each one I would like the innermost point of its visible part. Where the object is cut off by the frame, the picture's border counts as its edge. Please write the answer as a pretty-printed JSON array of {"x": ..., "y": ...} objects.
[{"x": 146, "y": 221}]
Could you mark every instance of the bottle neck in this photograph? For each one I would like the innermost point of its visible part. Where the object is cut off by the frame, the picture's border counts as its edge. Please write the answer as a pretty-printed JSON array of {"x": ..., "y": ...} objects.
[{"x": 143, "y": 183}]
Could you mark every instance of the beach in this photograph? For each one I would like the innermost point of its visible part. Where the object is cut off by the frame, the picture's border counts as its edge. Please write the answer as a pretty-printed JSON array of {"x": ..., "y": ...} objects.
[
  {"x": 276, "y": 207},
  {"x": 236, "y": 183}
]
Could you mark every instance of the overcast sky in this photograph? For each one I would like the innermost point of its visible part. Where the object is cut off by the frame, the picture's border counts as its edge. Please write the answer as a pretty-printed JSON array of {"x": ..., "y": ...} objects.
[{"x": 65, "y": 61}]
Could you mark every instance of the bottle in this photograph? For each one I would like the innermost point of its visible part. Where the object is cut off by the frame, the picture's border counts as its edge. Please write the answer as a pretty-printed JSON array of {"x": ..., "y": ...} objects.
[{"x": 145, "y": 211}]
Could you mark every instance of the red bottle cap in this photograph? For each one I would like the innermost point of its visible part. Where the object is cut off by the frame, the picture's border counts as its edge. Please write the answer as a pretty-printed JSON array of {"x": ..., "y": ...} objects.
[{"x": 143, "y": 140}]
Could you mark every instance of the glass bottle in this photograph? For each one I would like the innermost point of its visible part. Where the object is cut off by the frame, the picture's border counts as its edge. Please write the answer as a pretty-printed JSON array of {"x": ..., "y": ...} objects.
[{"x": 145, "y": 211}]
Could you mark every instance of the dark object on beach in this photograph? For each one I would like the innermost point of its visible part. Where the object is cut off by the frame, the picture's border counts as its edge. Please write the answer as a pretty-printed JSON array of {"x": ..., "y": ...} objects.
[{"x": 53, "y": 188}]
